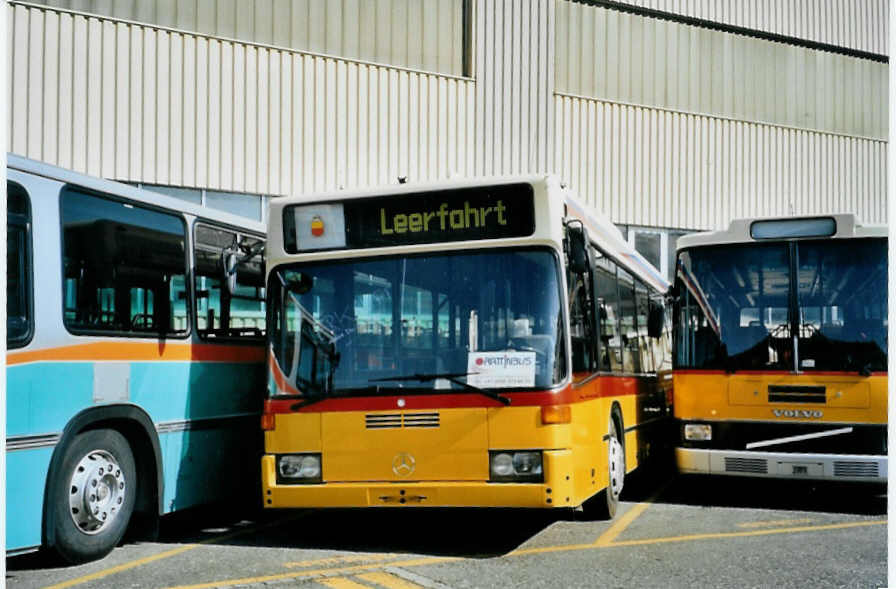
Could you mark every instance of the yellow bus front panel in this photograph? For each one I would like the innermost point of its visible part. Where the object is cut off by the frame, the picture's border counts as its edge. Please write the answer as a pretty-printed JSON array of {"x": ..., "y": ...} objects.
[
  {"x": 783, "y": 425},
  {"x": 440, "y": 457}
]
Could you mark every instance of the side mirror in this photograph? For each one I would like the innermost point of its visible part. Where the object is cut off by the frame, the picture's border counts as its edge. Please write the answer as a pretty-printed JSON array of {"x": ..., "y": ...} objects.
[
  {"x": 298, "y": 283},
  {"x": 577, "y": 240},
  {"x": 655, "y": 320}
]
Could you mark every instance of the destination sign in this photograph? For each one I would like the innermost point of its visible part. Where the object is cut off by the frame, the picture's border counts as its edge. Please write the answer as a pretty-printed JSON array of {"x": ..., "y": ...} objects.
[{"x": 459, "y": 214}]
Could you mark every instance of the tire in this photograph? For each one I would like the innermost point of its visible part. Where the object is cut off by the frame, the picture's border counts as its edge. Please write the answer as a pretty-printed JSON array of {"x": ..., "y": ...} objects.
[
  {"x": 604, "y": 504},
  {"x": 93, "y": 503}
]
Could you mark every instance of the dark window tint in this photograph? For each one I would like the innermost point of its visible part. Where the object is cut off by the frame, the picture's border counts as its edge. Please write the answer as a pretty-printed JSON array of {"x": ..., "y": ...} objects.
[
  {"x": 842, "y": 301},
  {"x": 631, "y": 358},
  {"x": 733, "y": 307},
  {"x": 581, "y": 321},
  {"x": 220, "y": 313},
  {"x": 644, "y": 345},
  {"x": 608, "y": 316},
  {"x": 124, "y": 267},
  {"x": 18, "y": 265}
]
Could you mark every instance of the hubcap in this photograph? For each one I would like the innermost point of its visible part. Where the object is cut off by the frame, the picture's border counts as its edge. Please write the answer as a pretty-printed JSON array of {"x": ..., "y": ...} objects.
[
  {"x": 96, "y": 492},
  {"x": 617, "y": 467}
]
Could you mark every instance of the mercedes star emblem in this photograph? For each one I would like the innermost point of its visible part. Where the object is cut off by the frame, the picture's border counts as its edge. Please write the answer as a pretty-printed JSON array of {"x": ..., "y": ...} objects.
[{"x": 403, "y": 464}]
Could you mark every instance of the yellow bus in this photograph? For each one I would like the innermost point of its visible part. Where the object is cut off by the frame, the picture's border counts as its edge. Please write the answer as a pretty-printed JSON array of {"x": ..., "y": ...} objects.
[
  {"x": 780, "y": 337},
  {"x": 478, "y": 343}
]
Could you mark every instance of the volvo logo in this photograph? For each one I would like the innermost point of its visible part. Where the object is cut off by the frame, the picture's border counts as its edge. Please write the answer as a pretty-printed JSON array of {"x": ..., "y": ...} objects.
[
  {"x": 804, "y": 413},
  {"x": 403, "y": 464}
]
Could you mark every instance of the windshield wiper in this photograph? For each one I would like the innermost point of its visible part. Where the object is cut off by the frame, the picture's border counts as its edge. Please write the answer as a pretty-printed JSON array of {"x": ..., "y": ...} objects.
[{"x": 449, "y": 376}]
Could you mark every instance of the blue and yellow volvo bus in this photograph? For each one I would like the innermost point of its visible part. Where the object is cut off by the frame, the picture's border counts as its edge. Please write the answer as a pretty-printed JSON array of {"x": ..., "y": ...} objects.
[{"x": 134, "y": 365}]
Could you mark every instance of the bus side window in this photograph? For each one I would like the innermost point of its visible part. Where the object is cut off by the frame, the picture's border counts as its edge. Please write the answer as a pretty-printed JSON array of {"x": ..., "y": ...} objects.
[
  {"x": 631, "y": 358},
  {"x": 608, "y": 312},
  {"x": 124, "y": 267},
  {"x": 220, "y": 313},
  {"x": 644, "y": 344},
  {"x": 581, "y": 322},
  {"x": 18, "y": 266}
]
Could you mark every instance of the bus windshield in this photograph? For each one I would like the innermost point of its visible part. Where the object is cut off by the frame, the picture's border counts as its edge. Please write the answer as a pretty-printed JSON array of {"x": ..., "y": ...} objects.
[
  {"x": 490, "y": 319},
  {"x": 737, "y": 309}
]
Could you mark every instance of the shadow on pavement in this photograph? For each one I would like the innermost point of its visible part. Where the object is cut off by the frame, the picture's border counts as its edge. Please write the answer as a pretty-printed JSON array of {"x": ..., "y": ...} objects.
[
  {"x": 786, "y": 495},
  {"x": 467, "y": 532}
]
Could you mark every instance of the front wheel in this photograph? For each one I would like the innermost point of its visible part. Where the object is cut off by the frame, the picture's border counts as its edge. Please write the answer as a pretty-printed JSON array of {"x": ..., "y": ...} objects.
[
  {"x": 95, "y": 491},
  {"x": 604, "y": 504}
]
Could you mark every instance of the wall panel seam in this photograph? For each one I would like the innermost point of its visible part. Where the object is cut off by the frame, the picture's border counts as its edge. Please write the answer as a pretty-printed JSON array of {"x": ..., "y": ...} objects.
[
  {"x": 717, "y": 117},
  {"x": 256, "y": 44}
]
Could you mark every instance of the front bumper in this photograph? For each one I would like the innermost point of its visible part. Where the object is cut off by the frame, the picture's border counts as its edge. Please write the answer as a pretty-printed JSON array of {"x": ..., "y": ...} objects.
[
  {"x": 784, "y": 465},
  {"x": 555, "y": 491}
]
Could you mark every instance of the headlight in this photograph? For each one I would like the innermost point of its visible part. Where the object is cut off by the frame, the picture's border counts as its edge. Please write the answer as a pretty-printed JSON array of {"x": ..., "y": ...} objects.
[
  {"x": 516, "y": 466},
  {"x": 701, "y": 432},
  {"x": 298, "y": 468}
]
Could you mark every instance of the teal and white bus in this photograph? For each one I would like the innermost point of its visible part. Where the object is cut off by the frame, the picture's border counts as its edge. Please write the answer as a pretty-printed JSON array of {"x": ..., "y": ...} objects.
[{"x": 134, "y": 362}]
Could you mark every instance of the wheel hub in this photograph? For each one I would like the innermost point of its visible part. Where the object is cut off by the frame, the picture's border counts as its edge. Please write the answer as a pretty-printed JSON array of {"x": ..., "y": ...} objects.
[
  {"x": 617, "y": 467},
  {"x": 96, "y": 492}
]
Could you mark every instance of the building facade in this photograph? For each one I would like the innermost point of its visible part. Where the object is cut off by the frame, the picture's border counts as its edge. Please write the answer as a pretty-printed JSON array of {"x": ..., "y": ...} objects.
[{"x": 668, "y": 115}]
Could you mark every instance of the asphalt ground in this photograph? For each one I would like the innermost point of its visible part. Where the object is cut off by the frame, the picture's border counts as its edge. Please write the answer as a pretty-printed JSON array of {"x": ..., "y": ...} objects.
[{"x": 669, "y": 532}]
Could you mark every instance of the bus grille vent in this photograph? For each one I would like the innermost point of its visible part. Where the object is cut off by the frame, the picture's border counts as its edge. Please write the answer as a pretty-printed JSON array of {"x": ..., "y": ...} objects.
[
  {"x": 751, "y": 465},
  {"x": 400, "y": 420},
  {"x": 421, "y": 419},
  {"x": 843, "y": 468}
]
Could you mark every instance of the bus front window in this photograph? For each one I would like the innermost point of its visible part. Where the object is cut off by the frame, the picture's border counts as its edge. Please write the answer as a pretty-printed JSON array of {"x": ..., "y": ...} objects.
[
  {"x": 736, "y": 311},
  {"x": 732, "y": 310},
  {"x": 843, "y": 305},
  {"x": 363, "y": 321}
]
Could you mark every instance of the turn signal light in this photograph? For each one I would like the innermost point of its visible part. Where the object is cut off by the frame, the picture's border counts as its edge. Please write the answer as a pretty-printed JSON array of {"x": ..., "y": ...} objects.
[
  {"x": 267, "y": 421},
  {"x": 556, "y": 414}
]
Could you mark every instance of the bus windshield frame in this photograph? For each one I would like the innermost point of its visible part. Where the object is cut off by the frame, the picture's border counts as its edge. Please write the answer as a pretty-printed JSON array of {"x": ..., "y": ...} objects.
[
  {"x": 500, "y": 316},
  {"x": 808, "y": 305}
]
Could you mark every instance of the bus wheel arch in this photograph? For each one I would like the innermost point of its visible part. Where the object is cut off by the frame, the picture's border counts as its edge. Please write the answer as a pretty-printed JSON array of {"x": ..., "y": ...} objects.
[
  {"x": 618, "y": 427},
  {"x": 604, "y": 504},
  {"x": 137, "y": 432}
]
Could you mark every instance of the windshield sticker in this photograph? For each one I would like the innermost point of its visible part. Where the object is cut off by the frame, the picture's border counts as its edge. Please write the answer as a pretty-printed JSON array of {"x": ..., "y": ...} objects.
[{"x": 501, "y": 369}]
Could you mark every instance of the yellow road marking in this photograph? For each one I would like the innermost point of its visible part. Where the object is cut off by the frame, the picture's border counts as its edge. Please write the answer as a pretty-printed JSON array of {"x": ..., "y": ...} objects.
[
  {"x": 341, "y": 583},
  {"x": 620, "y": 524},
  {"x": 545, "y": 549},
  {"x": 775, "y": 523},
  {"x": 318, "y": 572},
  {"x": 389, "y": 581},
  {"x": 166, "y": 554},
  {"x": 123, "y": 567},
  {"x": 527, "y": 551},
  {"x": 627, "y": 518},
  {"x": 746, "y": 534},
  {"x": 574, "y": 547},
  {"x": 320, "y": 562}
]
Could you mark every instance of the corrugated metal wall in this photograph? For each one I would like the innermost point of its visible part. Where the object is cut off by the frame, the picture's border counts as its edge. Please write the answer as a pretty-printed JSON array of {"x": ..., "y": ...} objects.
[
  {"x": 855, "y": 24},
  {"x": 514, "y": 86},
  {"x": 142, "y": 104},
  {"x": 418, "y": 34},
  {"x": 147, "y": 104},
  {"x": 629, "y": 58},
  {"x": 655, "y": 167}
]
